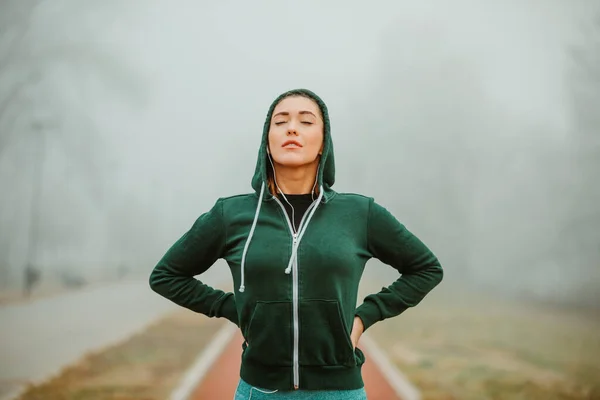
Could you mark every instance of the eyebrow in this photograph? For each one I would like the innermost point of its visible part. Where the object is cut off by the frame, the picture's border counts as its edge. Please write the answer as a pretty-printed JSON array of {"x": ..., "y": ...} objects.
[{"x": 301, "y": 113}]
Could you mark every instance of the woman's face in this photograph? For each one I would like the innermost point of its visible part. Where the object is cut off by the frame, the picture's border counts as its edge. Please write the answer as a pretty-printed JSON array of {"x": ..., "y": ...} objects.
[{"x": 296, "y": 132}]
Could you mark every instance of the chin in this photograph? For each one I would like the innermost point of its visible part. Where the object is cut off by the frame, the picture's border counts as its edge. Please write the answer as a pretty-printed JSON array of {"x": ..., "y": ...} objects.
[{"x": 291, "y": 160}]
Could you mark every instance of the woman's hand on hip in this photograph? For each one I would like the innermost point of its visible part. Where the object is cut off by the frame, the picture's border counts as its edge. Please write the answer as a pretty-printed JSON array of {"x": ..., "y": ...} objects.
[{"x": 357, "y": 330}]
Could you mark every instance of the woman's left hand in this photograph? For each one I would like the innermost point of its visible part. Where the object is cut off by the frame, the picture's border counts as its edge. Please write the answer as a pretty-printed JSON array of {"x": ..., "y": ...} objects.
[{"x": 357, "y": 330}]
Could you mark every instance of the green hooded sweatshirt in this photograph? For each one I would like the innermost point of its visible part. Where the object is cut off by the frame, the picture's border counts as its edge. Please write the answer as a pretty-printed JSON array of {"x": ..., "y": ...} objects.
[{"x": 296, "y": 294}]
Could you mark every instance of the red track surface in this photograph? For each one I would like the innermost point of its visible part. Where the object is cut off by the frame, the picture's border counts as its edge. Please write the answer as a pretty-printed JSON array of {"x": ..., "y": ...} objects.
[{"x": 222, "y": 379}]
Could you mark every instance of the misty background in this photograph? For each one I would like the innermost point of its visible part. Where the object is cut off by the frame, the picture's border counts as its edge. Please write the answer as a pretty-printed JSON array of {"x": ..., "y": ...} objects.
[{"x": 475, "y": 122}]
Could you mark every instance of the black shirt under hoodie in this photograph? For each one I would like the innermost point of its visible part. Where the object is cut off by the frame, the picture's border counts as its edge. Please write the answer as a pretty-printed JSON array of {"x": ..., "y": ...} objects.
[{"x": 300, "y": 203}]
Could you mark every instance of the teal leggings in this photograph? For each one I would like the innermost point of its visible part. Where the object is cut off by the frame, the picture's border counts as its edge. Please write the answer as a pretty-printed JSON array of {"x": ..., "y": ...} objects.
[{"x": 246, "y": 391}]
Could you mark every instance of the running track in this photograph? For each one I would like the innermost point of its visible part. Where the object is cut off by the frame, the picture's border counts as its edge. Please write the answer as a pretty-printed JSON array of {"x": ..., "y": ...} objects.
[{"x": 221, "y": 379}]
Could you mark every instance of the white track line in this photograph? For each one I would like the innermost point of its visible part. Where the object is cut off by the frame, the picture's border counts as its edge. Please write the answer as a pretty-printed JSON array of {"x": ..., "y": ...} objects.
[
  {"x": 203, "y": 362},
  {"x": 399, "y": 382}
]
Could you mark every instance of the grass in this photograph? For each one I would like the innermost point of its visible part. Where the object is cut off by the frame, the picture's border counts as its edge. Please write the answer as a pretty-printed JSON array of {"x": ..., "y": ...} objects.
[
  {"x": 147, "y": 366},
  {"x": 456, "y": 345}
]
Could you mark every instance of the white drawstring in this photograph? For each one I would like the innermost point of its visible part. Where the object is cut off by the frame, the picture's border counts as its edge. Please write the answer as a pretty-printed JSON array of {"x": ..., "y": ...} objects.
[{"x": 262, "y": 190}]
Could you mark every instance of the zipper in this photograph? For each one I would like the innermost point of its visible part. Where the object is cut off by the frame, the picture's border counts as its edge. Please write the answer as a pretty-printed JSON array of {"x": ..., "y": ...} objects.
[
  {"x": 296, "y": 366},
  {"x": 296, "y": 317}
]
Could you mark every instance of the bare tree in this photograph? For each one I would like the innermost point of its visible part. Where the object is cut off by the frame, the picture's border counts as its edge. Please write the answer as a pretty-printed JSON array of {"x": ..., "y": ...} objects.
[
  {"x": 22, "y": 66},
  {"x": 23, "y": 70}
]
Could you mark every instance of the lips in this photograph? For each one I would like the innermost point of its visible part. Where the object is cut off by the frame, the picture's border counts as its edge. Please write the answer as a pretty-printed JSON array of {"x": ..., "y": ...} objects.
[{"x": 291, "y": 144}]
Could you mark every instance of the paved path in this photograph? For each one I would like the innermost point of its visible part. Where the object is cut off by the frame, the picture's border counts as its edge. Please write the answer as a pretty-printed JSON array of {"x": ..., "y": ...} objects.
[
  {"x": 221, "y": 379},
  {"x": 37, "y": 339}
]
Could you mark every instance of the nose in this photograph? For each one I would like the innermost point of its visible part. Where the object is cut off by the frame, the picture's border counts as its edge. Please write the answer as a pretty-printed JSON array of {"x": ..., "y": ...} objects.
[{"x": 292, "y": 129}]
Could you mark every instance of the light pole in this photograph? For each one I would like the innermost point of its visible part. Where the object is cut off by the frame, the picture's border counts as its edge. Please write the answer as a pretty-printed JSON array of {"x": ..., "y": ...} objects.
[{"x": 32, "y": 272}]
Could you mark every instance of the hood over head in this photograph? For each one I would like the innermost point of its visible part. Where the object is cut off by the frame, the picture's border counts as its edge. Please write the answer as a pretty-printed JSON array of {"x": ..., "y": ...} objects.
[{"x": 326, "y": 173}]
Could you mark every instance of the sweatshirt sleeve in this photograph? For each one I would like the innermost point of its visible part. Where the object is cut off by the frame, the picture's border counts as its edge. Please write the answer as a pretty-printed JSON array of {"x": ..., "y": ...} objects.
[
  {"x": 390, "y": 242},
  {"x": 194, "y": 253}
]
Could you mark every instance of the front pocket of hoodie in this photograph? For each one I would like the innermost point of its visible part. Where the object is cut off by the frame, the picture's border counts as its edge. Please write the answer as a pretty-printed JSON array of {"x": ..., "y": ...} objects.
[
  {"x": 269, "y": 334},
  {"x": 324, "y": 338}
]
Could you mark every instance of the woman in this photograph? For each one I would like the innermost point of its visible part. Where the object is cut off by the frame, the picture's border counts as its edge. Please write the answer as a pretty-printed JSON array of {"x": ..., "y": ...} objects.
[{"x": 297, "y": 250}]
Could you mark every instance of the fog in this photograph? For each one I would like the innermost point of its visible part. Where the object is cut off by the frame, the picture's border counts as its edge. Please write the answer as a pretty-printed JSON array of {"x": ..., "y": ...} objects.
[{"x": 475, "y": 122}]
